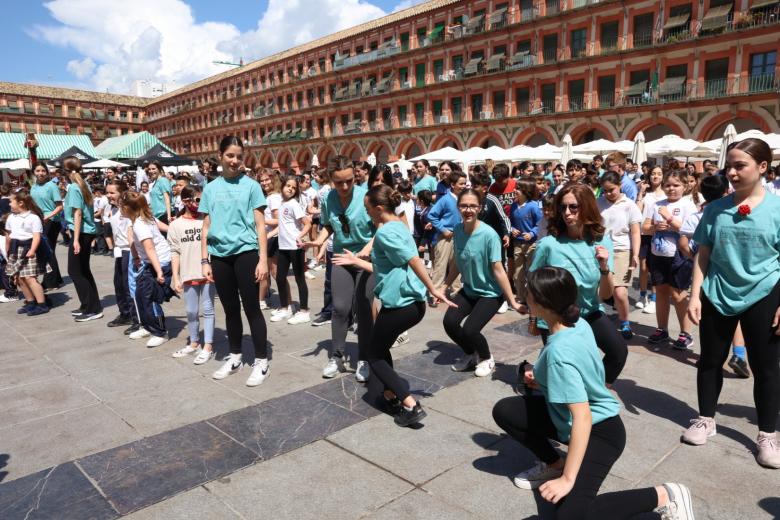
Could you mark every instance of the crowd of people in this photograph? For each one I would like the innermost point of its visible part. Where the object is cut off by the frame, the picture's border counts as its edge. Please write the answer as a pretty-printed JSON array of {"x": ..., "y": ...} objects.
[{"x": 560, "y": 243}]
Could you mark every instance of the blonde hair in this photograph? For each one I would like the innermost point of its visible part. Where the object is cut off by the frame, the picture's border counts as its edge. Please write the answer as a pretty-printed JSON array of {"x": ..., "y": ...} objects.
[
  {"x": 134, "y": 206},
  {"x": 72, "y": 165}
]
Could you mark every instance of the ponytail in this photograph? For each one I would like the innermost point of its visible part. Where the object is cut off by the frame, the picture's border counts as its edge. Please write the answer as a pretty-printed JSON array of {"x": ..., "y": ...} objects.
[{"x": 72, "y": 165}]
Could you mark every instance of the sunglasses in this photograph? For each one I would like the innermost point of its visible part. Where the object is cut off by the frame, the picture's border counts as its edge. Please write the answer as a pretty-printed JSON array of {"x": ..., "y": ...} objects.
[
  {"x": 573, "y": 208},
  {"x": 344, "y": 223}
]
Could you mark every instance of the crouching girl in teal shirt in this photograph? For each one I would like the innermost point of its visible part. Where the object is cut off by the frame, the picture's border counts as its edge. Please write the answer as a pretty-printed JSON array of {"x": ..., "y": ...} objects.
[
  {"x": 575, "y": 407},
  {"x": 401, "y": 281}
]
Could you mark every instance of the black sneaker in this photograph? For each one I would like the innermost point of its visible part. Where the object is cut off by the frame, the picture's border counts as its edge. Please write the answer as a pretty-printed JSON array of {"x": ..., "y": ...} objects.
[
  {"x": 739, "y": 366},
  {"x": 409, "y": 417},
  {"x": 27, "y": 307},
  {"x": 38, "y": 310},
  {"x": 320, "y": 320},
  {"x": 89, "y": 316},
  {"x": 132, "y": 328},
  {"x": 683, "y": 342},
  {"x": 119, "y": 321},
  {"x": 658, "y": 336},
  {"x": 392, "y": 406},
  {"x": 77, "y": 312}
]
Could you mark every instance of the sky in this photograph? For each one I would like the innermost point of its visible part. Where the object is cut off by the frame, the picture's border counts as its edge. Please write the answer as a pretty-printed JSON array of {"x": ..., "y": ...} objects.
[{"x": 105, "y": 45}]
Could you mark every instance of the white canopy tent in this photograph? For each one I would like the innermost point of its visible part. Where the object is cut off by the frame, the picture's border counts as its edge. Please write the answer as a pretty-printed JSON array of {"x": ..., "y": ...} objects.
[
  {"x": 447, "y": 153},
  {"x": 104, "y": 163},
  {"x": 18, "y": 164},
  {"x": 675, "y": 146},
  {"x": 601, "y": 147}
]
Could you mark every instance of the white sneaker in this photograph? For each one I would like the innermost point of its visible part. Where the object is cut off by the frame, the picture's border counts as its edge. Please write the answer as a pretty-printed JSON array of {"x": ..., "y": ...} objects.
[
  {"x": 334, "y": 366},
  {"x": 299, "y": 317},
  {"x": 309, "y": 275},
  {"x": 203, "y": 357},
  {"x": 263, "y": 305},
  {"x": 640, "y": 304},
  {"x": 260, "y": 370},
  {"x": 504, "y": 307},
  {"x": 156, "y": 341},
  {"x": 403, "y": 339},
  {"x": 140, "y": 334},
  {"x": 311, "y": 264},
  {"x": 485, "y": 367},
  {"x": 319, "y": 267},
  {"x": 649, "y": 308},
  {"x": 4, "y": 299},
  {"x": 185, "y": 351},
  {"x": 680, "y": 505},
  {"x": 362, "y": 372},
  {"x": 534, "y": 477},
  {"x": 428, "y": 264},
  {"x": 464, "y": 363},
  {"x": 283, "y": 314},
  {"x": 231, "y": 365}
]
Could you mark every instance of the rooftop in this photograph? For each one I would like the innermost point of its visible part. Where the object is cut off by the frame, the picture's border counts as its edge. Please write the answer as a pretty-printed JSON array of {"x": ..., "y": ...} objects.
[{"x": 24, "y": 89}]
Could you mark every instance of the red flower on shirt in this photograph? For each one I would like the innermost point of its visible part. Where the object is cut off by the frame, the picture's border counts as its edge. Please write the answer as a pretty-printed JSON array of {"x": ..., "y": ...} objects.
[{"x": 744, "y": 210}]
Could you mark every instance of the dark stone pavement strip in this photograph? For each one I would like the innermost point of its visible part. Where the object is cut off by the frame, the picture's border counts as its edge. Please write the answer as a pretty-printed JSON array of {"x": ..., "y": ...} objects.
[{"x": 147, "y": 471}]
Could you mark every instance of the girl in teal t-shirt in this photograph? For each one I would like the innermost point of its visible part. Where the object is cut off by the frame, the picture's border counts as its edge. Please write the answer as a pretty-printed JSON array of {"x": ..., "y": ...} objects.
[
  {"x": 234, "y": 256},
  {"x": 578, "y": 244},
  {"x": 401, "y": 282},
  {"x": 736, "y": 278},
  {"x": 574, "y": 407},
  {"x": 477, "y": 252}
]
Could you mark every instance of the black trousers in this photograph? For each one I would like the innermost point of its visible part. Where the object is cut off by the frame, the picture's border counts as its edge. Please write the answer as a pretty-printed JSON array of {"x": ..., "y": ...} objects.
[
  {"x": 609, "y": 341},
  {"x": 390, "y": 323},
  {"x": 352, "y": 290},
  {"x": 234, "y": 278},
  {"x": 53, "y": 279},
  {"x": 150, "y": 312},
  {"x": 81, "y": 275},
  {"x": 122, "y": 287},
  {"x": 285, "y": 258},
  {"x": 527, "y": 420},
  {"x": 477, "y": 313},
  {"x": 763, "y": 354}
]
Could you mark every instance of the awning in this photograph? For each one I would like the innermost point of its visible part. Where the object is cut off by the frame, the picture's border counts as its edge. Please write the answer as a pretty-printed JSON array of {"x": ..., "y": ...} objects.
[
  {"x": 677, "y": 21},
  {"x": 494, "y": 62},
  {"x": 286, "y": 134},
  {"x": 366, "y": 88},
  {"x": 51, "y": 146},
  {"x": 497, "y": 16},
  {"x": 384, "y": 85},
  {"x": 716, "y": 17},
  {"x": 758, "y": 4},
  {"x": 472, "y": 67},
  {"x": 12, "y": 146},
  {"x": 672, "y": 86},
  {"x": 475, "y": 22},
  {"x": 636, "y": 89},
  {"x": 435, "y": 33},
  {"x": 128, "y": 146}
]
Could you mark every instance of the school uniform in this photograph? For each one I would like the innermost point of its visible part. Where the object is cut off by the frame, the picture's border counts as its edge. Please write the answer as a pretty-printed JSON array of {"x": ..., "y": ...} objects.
[
  {"x": 46, "y": 197},
  {"x": 78, "y": 264},
  {"x": 149, "y": 293},
  {"x": 21, "y": 228}
]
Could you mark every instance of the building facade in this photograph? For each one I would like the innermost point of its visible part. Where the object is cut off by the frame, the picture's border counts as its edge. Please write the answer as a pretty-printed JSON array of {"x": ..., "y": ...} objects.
[{"x": 468, "y": 73}]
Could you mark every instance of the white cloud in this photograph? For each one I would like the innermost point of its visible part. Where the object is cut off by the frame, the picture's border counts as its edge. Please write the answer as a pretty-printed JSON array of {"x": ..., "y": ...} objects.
[{"x": 120, "y": 42}]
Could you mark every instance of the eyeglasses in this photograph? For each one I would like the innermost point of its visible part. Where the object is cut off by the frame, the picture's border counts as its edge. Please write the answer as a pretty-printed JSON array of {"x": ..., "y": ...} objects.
[
  {"x": 344, "y": 223},
  {"x": 473, "y": 207},
  {"x": 573, "y": 208}
]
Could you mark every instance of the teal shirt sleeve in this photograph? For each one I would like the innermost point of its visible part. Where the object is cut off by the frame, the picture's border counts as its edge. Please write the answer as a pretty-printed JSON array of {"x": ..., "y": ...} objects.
[
  {"x": 540, "y": 255},
  {"x": 565, "y": 384},
  {"x": 703, "y": 233},
  {"x": 606, "y": 242},
  {"x": 494, "y": 249},
  {"x": 257, "y": 198},
  {"x": 324, "y": 212},
  {"x": 399, "y": 249},
  {"x": 205, "y": 201}
]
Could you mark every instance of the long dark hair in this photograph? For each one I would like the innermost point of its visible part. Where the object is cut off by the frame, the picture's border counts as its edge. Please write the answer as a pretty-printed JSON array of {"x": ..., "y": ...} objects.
[
  {"x": 555, "y": 289},
  {"x": 381, "y": 171},
  {"x": 588, "y": 213},
  {"x": 23, "y": 197},
  {"x": 227, "y": 142},
  {"x": 755, "y": 148}
]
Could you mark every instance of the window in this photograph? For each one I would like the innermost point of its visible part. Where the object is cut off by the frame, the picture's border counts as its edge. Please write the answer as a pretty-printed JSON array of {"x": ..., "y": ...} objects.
[
  {"x": 716, "y": 77},
  {"x": 419, "y": 114},
  {"x": 374, "y": 45},
  {"x": 457, "y": 109},
  {"x": 576, "y": 94},
  {"x": 402, "y": 115},
  {"x": 550, "y": 48},
  {"x": 637, "y": 92},
  {"x": 762, "y": 71},
  {"x": 523, "y": 101},
  {"x": 387, "y": 114},
  {"x": 457, "y": 63},
  {"x": 578, "y": 43},
  {"x": 526, "y": 10},
  {"x": 499, "y": 100},
  {"x": 499, "y": 49},
  {"x": 524, "y": 46},
  {"x": 419, "y": 75},
  {"x": 421, "y": 33},
  {"x": 405, "y": 41},
  {"x": 609, "y": 36},
  {"x": 606, "y": 86},
  {"x": 548, "y": 98},
  {"x": 403, "y": 75},
  {"x": 438, "y": 109},
  {"x": 643, "y": 30},
  {"x": 476, "y": 106},
  {"x": 438, "y": 69},
  {"x": 677, "y": 71}
]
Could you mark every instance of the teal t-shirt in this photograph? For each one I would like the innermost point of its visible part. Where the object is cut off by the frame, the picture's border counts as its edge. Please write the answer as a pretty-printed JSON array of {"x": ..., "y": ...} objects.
[
  {"x": 426, "y": 183},
  {"x": 359, "y": 223},
  {"x": 230, "y": 205},
  {"x": 570, "y": 370},
  {"x": 161, "y": 186},
  {"x": 744, "y": 265},
  {"x": 75, "y": 200},
  {"x": 475, "y": 255},
  {"x": 46, "y": 197},
  {"x": 396, "y": 283},
  {"x": 579, "y": 258}
]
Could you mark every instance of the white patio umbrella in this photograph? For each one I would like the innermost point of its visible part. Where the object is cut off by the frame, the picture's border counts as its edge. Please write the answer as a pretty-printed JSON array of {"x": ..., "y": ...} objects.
[
  {"x": 474, "y": 155},
  {"x": 773, "y": 140},
  {"x": 602, "y": 147},
  {"x": 315, "y": 161},
  {"x": 104, "y": 163},
  {"x": 447, "y": 153},
  {"x": 371, "y": 159},
  {"x": 17, "y": 164},
  {"x": 729, "y": 136},
  {"x": 638, "y": 153},
  {"x": 566, "y": 150},
  {"x": 674, "y": 146}
]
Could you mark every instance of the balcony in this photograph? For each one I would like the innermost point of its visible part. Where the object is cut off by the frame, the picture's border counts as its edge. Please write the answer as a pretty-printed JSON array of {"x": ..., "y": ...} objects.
[
  {"x": 763, "y": 83},
  {"x": 521, "y": 60},
  {"x": 475, "y": 25},
  {"x": 550, "y": 55},
  {"x": 580, "y": 51},
  {"x": 607, "y": 100},
  {"x": 643, "y": 39},
  {"x": 577, "y": 103},
  {"x": 499, "y": 19},
  {"x": 672, "y": 90},
  {"x": 609, "y": 45}
]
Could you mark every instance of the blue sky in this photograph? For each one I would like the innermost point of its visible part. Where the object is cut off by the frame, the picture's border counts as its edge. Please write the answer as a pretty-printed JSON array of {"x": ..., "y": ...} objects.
[{"x": 73, "y": 43}]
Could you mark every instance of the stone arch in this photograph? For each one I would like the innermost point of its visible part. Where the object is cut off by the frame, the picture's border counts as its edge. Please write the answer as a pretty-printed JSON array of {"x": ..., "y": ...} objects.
[
  {"x": 713, "y": 127},
  {"x": 303, "y": 157},
  {"x": 324, "y": 153},
  {"x": 530, "y": 133},
  {"x": 444, "y": 140},
  {"x": 410, "y": 147},
  {"x": 486, "y": 139},
  {"x": 266, "y": 159},
  {"x": 657, "y": 126},
  {"x": 381, "y": 150},
  {"x": 592, "y": 131},
  {"x": 352, "y": 150},
  {"x": 284, "y": 160}
]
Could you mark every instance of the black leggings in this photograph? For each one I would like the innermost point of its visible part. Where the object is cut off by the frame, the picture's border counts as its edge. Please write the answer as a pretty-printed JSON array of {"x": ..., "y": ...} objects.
[
  {"x": 609, "y": 340},
  {"x": 353, "y": 291},
  {"x": 81, "y": 275},
  {"x": 234, "y": 276},
  {"x": 53, "y": 279},
  {"x": 285, "y": 257},
  {"x": 390, "y": 323},
  {"x": 478, "y": 312},
  {"x": 763, "y": 353},
  {"x": 527, "y": 420}
]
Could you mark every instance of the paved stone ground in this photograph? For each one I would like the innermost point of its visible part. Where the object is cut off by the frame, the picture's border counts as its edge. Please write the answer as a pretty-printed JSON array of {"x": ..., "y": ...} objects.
[{"x": 93, "y": 425}]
